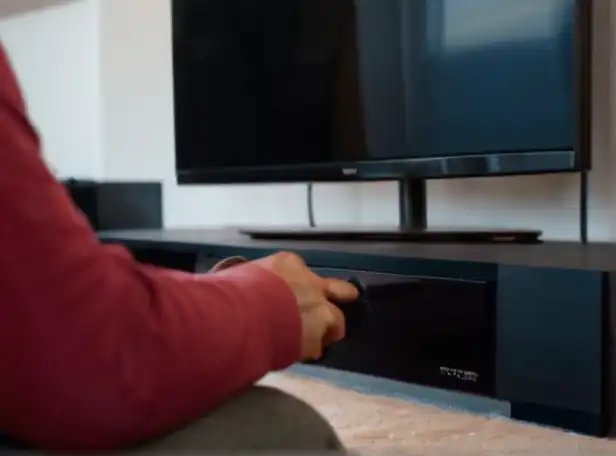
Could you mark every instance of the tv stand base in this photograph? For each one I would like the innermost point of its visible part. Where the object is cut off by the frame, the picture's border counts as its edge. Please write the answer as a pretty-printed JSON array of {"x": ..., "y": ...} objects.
[{"x": 433, "y": 235}]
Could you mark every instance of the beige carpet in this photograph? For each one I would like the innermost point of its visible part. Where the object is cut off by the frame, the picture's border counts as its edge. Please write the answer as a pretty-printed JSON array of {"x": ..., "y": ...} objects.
[{"x": 378, "y": 424}]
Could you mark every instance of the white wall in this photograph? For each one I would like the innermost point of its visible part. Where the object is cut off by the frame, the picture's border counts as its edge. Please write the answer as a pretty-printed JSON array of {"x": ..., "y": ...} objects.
[
  {"x": 54, "y": 51},
  {"x": 137, "y": 141},
  {"x": 12, "y": 7}
]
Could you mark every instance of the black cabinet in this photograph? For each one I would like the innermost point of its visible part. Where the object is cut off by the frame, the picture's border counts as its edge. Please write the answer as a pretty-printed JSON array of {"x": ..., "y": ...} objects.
[{"x": 537, "y": 323}]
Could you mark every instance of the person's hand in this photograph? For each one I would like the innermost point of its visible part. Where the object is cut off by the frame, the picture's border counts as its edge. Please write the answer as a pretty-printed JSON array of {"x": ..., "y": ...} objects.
[{"x": 322, "y": 322}]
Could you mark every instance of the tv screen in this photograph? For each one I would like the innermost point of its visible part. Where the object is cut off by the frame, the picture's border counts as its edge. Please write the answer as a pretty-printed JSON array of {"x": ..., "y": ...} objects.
[{"x": 313, "y": 90}]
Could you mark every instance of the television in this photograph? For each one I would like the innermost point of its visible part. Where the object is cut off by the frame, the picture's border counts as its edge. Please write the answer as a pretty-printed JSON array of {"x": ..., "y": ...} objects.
[{"x": 281, "y": 91}]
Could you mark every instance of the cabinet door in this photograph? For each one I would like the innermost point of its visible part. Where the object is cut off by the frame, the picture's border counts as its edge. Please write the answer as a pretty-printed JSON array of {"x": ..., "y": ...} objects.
[{"x": 427, "y": 330}]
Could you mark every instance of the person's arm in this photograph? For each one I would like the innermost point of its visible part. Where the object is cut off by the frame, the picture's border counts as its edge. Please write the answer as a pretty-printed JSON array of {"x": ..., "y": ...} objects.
[{"x": 98, "y": 351}]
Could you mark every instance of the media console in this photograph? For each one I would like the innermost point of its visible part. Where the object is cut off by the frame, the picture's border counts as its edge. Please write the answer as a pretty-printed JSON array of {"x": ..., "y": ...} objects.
[{"x": 529, "y": 324}]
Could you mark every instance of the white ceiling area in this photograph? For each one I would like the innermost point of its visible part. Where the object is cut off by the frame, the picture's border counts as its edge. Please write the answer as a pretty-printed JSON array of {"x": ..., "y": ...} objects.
[{"x": 10, "y": 7}]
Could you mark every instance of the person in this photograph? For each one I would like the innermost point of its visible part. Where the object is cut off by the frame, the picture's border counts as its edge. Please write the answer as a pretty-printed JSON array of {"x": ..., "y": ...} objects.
[{"x": 100, "y": 352}]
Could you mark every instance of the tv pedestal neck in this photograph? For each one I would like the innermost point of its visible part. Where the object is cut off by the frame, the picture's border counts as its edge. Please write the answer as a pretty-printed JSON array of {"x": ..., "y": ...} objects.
[{"x": 413, "y": 226}]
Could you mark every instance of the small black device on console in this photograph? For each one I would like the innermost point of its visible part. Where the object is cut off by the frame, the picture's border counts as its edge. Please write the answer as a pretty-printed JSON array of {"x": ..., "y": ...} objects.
[
  {"x": 118, "y": 205},
  {"x": 288, "y": 91}
]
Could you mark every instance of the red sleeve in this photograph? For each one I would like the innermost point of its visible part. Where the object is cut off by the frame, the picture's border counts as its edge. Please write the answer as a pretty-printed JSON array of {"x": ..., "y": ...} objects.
[{"x": 98, "y": 351}]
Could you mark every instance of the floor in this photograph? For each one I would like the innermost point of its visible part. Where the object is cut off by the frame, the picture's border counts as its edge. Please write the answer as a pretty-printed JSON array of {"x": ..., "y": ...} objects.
[{"x": 405, "y": 426}]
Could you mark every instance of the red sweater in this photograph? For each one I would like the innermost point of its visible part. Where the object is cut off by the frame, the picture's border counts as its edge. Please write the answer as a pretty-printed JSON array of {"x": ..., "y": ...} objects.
[{"x": 98, "y": 351}]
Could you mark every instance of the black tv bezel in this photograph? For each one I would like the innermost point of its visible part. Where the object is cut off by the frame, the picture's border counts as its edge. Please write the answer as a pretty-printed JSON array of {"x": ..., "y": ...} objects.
[{"x": 459, "y": 166}]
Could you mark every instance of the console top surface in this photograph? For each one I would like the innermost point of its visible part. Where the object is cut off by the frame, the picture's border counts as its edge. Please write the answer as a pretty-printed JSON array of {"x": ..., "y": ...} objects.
[{"x": 227, "y": 242}]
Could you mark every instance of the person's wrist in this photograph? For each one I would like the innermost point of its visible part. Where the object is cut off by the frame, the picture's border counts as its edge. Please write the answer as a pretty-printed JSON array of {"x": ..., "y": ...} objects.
[{"x": 228, "y": 263}]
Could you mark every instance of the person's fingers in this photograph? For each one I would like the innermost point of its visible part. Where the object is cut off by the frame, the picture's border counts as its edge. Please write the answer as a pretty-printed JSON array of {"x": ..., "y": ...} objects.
[
  {"x": 315, "y": 353},
  {"x": 328, "y": 327},
  {"x": 337, "y": 290},
  {"x": 337, "y": 328}
]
